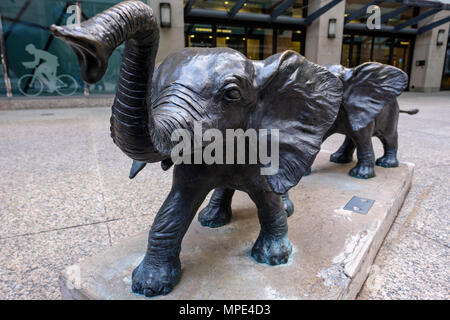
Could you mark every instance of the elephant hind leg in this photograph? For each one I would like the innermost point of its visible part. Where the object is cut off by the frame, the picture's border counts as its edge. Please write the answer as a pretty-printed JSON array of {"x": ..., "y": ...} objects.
[
  {"x": 272, "y": 246},
  {"x": 218, "y": 211},
  {"x": 345, "y": 152},
  {"x": 389, "y": 159}
]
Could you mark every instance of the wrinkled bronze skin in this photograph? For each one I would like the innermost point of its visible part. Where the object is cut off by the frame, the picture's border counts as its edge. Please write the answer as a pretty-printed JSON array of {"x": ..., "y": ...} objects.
[{"x": 225, "y": 90}]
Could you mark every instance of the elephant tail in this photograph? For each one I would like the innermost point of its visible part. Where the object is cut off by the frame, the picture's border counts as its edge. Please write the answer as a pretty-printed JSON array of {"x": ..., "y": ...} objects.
[{"x": 410, "y": 111}]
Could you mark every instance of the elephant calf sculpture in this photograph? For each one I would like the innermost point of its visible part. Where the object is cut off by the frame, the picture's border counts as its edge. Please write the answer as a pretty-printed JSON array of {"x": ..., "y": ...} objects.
[
  {"x": 224, "y": 90},
  {"x": 369, "y": 108}
]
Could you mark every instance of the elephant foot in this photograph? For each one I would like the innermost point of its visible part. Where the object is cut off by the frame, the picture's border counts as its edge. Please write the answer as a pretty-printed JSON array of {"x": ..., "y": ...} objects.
[
  {"x": 362, "y": 171},
  {"x": 287, "y": 205},
  {"x": 387, "y": 162},
  {"x": 272, "y": 251},
  {"x": 153, "y": 280},
  {"x": 339, "y": 157},
  {"x": 215, "y": 216}
]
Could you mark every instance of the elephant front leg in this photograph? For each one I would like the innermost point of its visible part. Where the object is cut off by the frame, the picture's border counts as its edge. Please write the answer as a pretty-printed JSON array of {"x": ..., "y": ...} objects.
[
  {"x": 218, "y": 211},
  {"x": 272, "y": 246},
  {"x": 345, "y": 152},
  {"x": 288, "y": 205},
  {"x": 364, "y": 169},
  {"x": 160, "y": 269}
]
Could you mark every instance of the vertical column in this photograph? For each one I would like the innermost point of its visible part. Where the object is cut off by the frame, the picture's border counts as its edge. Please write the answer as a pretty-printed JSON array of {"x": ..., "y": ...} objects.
[
  {"x": 171, "y": 39},
  {"x": 427, "y": 78},
  {"x": 319, "y": 48},
  {"x": 3, "y": 62},
  {"x": 79, "y": 19}
]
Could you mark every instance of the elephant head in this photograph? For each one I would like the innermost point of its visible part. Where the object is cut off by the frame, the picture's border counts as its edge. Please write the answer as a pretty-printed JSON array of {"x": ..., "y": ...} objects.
[
  {"x": 367, "y": 89},
  {"x": 217, "y": 86}
]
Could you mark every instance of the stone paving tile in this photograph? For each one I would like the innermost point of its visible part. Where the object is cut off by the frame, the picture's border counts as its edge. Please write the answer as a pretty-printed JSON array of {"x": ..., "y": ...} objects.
[
  {"x": 31, "y": 264},
  {"x": 414, "y": 267},
  {"x": 124, "y": 197},
  {"x": 124, "y": 228},
  {"x": 49, "y": 177},
  {"x": 423, "y": 140}
]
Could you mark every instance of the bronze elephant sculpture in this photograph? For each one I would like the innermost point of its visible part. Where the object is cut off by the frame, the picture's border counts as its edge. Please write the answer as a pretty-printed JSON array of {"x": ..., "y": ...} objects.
[
  {"x": 224, "y": 90},
  {"x": 369, "y": 108}
]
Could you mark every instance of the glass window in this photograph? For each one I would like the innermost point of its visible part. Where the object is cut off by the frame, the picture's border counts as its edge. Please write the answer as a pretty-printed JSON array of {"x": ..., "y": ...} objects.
[
  {"x": 199, "y": 35},
  {"x": 357, "y": 49},
  {"x": 2, "y": 82},
  {"x": 251, "y": 6},
  {"x": 347, "y": 51},
  {"x": 232, "y": 37},
  {"x": 219, "y": 5},
  {"x": 381, "y": 49},
  {"x": 256, "y": 43},
  {"x": 362, "y": 47},
  {"x": 289, "y": 40},
  {"x": 400, "y": 54},
  {"x": 405, "y": 16},
  {"x": 260, "y": 6},
  {"x": 259, "y": 43},
  {"x": 352, "y": 6},
  {"x": 295, "y": 11},
  {"x": 446, "y": 74},
  {"x": 38, "y": 63}
]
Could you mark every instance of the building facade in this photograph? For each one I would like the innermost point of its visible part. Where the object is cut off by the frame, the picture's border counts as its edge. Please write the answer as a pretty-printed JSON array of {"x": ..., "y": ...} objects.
[{"x": 409, "y": 34}]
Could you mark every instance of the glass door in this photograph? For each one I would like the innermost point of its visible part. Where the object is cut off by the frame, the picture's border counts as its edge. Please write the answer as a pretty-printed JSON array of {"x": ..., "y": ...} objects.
[
  {"x": 231, "y": 37},
  {"x": 446, "y": 74},
  {"x": 400, "y": 54}
]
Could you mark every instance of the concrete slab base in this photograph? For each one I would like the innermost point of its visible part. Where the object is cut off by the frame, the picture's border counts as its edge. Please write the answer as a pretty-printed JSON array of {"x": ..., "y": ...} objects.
[{"x": 333, "y": 249}]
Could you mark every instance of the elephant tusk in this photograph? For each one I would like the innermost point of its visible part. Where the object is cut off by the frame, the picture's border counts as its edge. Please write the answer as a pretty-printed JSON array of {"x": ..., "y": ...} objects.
[{"x": 136, "y": 168}]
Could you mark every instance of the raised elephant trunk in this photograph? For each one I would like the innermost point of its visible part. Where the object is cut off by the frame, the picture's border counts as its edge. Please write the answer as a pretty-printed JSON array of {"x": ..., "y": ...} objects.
[{"x": 133, "y": 128}]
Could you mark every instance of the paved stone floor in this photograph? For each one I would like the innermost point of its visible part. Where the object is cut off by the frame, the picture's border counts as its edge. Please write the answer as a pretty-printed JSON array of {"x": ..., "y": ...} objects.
[{"x": 65, "y": 195}]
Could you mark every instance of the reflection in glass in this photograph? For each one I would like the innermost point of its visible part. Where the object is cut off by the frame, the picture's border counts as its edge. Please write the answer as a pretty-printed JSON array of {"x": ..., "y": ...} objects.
[
  {"x": 259, "y": 43},
  {"x": 49, "y": 67},
  {"x": 381, "y": 47},
  {"x": 219, "y": 5},
  {"x": 347, "y": 51},
  {"x": 446, "y": 74},
  {"x": 199, "y": 35},
  {"x": 363, "y": 46},
  {"x": 251, "y": 6},
  {"x": 2, "y": 82},
  {"x": 352, "y": 6},
  {"x": 289, "y": 40},
  {"x": 400, "y": 54},
  {"x": 231, "y": 37}
]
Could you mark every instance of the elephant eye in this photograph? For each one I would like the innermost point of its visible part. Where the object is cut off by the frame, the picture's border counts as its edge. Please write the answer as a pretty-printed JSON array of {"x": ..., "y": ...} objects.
[{"x": 232, "y": 94}]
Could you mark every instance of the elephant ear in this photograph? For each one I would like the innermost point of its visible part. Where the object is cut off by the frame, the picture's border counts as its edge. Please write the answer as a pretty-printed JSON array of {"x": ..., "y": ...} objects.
[
  {"x": 300, "y": 99},
  {"x": 368, "y": 88}
]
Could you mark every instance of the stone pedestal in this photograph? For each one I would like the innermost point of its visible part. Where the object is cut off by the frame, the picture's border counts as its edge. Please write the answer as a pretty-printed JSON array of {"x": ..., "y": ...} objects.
[{"x": 333, "y": 249}]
